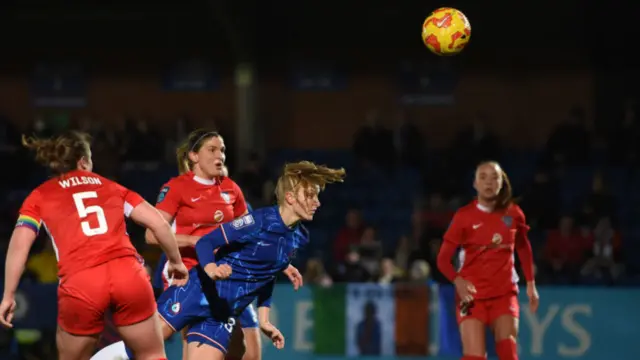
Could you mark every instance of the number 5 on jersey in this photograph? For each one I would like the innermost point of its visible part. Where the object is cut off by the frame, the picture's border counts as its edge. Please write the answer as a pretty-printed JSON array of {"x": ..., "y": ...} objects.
[{"x": 84, "y": 211}]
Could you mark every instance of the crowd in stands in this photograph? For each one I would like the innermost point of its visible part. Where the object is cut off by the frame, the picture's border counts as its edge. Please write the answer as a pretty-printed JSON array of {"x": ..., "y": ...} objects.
[
  {"x": 386, "y": 223},
  {"x": 577, "y": 193}
]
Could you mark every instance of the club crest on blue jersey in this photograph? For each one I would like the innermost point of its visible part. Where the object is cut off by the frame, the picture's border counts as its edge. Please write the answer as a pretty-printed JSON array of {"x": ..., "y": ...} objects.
[
  {"x": 226, "y": 197},
  {"x": 507, "y": 220},
  {"x": 163, "y": 194},
  {"x": 242, "y": 222}
]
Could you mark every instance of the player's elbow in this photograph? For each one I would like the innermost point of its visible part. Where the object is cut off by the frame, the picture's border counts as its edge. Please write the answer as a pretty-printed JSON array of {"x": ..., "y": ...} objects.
[
  {"x": 150, "y": 238},
  {"x": 443, "y": 261}
]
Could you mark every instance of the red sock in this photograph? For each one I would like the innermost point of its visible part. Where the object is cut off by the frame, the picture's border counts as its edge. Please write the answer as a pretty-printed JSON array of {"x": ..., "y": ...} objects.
[
  {"x": 507, "y": 349},
  {"x": 469, "y": 357}
]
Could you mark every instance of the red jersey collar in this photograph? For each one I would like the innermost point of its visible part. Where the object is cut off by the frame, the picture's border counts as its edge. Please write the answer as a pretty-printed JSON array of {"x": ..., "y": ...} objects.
[
  {"x": 481, "y": 207},
  {"x": 203, "y": 181}
]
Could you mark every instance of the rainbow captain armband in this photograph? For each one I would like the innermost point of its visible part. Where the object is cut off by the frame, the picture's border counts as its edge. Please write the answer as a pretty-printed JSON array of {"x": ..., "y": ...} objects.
[{"x": 28, "y": 221}]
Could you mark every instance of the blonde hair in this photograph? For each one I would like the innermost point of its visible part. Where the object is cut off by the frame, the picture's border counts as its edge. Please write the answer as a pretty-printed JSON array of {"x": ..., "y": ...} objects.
[
  {"x": 306, "y": 173},
  {"x": 194, "y": 142},
  {"x": 61, "y": 153}
]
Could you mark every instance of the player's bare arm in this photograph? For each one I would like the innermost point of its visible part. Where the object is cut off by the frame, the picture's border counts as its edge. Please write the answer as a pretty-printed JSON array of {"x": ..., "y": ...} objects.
[
  {"x": 268, "y": 329},
  {"x": 21, "y": 241},
  {"x": 294, "y": 276},
  {"x": 148, "y": 216},
  {"x": 182, "y": 240}
]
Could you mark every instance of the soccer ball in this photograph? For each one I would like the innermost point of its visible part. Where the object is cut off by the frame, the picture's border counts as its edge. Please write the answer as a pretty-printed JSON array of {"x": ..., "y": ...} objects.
[{"x": 446, "y": 31}]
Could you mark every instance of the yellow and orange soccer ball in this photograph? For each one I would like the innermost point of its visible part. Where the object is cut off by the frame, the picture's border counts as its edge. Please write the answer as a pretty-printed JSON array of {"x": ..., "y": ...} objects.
[{"x": 446, "y": 31}]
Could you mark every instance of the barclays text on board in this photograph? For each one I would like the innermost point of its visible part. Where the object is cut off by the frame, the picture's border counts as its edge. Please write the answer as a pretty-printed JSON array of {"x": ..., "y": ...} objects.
[{"x": 571, "y": 323}]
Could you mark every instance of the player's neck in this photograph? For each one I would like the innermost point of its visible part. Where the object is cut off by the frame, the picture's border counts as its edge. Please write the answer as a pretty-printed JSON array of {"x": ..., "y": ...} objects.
[
  {"x": 487, "y": 205},
  {"x": 289, "y": 217},
  {"x": 204, "y": 177}
]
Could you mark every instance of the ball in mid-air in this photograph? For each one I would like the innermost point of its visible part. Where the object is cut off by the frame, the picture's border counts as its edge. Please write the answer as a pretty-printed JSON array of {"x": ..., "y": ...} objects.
[{"x": 446, "y": 31}]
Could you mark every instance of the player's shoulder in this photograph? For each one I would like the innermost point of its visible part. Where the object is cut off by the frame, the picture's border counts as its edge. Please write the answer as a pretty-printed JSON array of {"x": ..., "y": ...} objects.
[
  {"x": 467, "y": 209},
  {"x": 177, "y": 184},
  {"x": 228, "y": 183},
  {"x": 265, "y": 218},
  {"x": 178, "y": 181},
  {"x": 248, "y": 222},
  {"x": 515, "y": 211}
]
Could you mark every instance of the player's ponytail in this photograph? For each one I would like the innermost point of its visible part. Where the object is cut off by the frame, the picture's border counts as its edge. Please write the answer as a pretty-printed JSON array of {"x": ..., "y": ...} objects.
[
  {"x": 505, "y": 195},
  {"x": 306, "y": 173},
  {"x": 182, "y": 158},
  {"x": 193, "y": 143},
  {"x": 62, "y": 153}
]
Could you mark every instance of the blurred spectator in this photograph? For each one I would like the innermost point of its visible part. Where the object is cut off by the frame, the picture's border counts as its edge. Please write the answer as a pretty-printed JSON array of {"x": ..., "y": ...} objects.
[
  {"x": 373, "y": 143},
  {"x": 388, "y": 272},
  {"x": 349, "y": 235},
  {"x": 145, "y": 144},
  {"x": 605, "y": 262},
  {"x": 599, "y": 202},
  {"x": 8, "y": 345},
  {"x": 351, "y": 270},
  {"x": 404, "y": 253},
  {"x": 437, "y": 215},
  {"x": 39, "y": 127},
  {"x": 252, "y": 180},
  {"x": 10, "y": 153},
  {"x": 565, "y": 250},
  {"x": 44, "y": 265},
  {"x": 370, "y": 250},
  {"x": 408, "y": 140},
  {"x": 476, "y": 143},
  {"x": 419, "y": 272},
  {"x": 541, "y": 201},
  {"x": 569, "y": 143},
  {"x": 624, "y": 139},
  {"x": 315, "y": 273},
  {"x": 430, "y": 255}
]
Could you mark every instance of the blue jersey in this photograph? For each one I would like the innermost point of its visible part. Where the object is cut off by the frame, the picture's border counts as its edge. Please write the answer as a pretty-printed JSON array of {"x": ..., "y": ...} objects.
[{"x": 257, "y": 246}]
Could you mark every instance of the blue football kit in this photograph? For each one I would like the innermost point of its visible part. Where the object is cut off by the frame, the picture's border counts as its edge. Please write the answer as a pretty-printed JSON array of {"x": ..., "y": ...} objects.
[
  {"x": 248, "y": 319},
  {"x": 257, "y": 247}
]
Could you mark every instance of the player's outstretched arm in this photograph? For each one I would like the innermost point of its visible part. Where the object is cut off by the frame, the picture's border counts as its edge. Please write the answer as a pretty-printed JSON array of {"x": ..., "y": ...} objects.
[
  {"x": 208, "y": 244},
  {"x": 268, "y": 329},
  {"x": 147, "y": 216},
  {"x": 19, "y": 246},
  {"x": 239, "y": 230},
  {"x": 183, "y": 240}
]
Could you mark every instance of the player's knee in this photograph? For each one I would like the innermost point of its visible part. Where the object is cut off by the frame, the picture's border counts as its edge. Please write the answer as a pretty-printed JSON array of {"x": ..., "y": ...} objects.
[
  {"x": 472, "y": 333},
  {"x": 505, "y": 327},
  {"x": 252, "y": 354}
]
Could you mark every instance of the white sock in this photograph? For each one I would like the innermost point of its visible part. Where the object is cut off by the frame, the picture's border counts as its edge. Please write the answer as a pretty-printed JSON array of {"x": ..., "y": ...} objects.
[{"x": 115, "y": 351}]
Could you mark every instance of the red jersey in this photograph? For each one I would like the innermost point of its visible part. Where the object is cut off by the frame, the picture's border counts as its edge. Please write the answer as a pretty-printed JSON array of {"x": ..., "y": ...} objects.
[
  {"x": 199, "y": 205},
  {"x": 83, "y": 214},
  {"x": 487, "y": 240}
]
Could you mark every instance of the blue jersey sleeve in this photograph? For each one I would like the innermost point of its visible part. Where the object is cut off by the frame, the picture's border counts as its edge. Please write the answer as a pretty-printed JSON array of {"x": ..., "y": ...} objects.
[
  {"x": 239, "y": 230},
  {"x": 265, "y": 294}
]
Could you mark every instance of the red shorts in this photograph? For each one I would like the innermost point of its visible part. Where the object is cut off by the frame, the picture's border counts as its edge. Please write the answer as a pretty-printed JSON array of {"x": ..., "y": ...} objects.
[
  {"x": 488, "y": 310},
  {"x": 121, "y": 285}
]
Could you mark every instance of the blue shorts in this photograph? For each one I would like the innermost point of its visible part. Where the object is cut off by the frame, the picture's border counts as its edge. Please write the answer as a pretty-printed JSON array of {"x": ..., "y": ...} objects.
[
  {"x": 249, "y": 318},
  {"x": 187, "y": 305}
]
